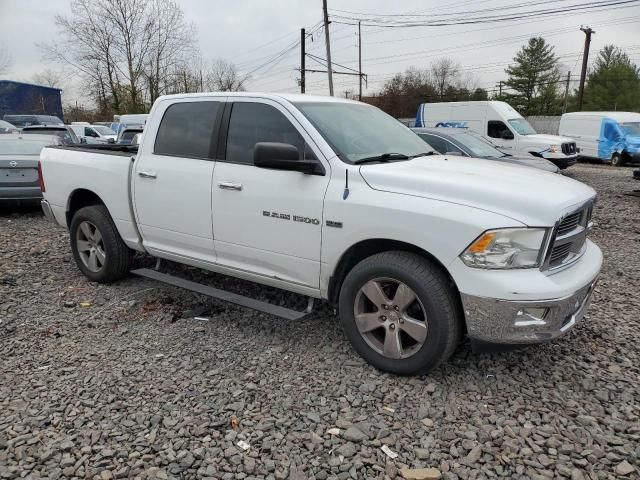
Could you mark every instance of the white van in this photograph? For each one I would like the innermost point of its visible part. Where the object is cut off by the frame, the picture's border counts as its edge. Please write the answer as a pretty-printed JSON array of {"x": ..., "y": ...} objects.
[
  {"x": 499, "y": 123},
  {"x": 94, "y": 133},
  {"x": 607, "y": 136}
]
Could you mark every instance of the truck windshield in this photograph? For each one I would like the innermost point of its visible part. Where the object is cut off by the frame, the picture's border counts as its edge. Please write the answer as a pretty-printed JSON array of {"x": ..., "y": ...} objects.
[
  {"x": 631, "y": 128},
  {"x": 521, "y": 126},
  {"x": 356, "y": 131}
]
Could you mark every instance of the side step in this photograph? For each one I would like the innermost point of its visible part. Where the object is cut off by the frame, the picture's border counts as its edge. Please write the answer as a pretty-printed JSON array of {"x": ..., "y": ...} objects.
[{"x": 241, "y": 300}]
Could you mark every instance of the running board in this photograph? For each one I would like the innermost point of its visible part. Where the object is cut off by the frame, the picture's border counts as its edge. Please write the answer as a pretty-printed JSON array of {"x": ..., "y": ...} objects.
[{"x": 241, "y": 300}]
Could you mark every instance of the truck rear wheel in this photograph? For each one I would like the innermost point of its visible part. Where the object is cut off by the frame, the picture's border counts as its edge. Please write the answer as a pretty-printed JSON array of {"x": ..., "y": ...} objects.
[
  {"x": 400, "y": 313},
  {"x": 97, "y": 248}
]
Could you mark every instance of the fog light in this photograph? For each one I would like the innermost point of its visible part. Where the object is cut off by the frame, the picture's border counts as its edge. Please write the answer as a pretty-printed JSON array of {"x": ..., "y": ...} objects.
[{"x": 531, "y": 316}]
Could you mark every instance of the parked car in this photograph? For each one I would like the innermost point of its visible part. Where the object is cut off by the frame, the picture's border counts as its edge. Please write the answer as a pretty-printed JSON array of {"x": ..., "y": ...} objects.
[
  {"x": 94, "y": 133},
  {"x": 461, "y": 142},
  {"x": 125, "y": 137},
  {"x": 606, "y": 136},
  {"x": 501, "y": 125},
  {"x": 334, "y": 199},
  {"x": 65, "y": 132},
  {"x": 6, "y": 127},
  {"x": 19, "y": 155},
  {"x": 25, "y": 120}
]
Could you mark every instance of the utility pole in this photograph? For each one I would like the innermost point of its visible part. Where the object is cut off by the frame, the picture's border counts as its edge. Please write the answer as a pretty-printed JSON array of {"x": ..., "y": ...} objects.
[
  {"x": 326, "y": 39},
  {"x": 302, "y": 57},
  {"x": 566, "y": 93},
  {"x": 359, "y": 62},
  {"x": 585, "y": 58},
  {"x": 500, "y": 89}
]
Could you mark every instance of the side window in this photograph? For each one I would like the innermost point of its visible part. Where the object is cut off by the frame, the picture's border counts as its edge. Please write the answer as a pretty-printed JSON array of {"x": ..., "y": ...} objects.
[
  {"x": 437, "y": 143},
  {"x": 186, "y": 129},
  {"x": 610, "y": 130},
  {"x": 251, "y": 123},
  {"x": 495, "y": 128},
  {"x": 88, "y": 132}
]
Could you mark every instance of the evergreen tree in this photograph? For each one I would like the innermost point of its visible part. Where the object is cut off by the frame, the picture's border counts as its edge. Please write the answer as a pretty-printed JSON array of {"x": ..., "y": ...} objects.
[
  {"x": 534, "y": 77},
  {"x": 614, "y": 82}
]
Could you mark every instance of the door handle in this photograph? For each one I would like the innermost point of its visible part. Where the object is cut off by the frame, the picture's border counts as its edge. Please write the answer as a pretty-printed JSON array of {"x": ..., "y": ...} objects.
[
  {"x": 147, "y": 174},
  {"x": 230, "y": 186}
]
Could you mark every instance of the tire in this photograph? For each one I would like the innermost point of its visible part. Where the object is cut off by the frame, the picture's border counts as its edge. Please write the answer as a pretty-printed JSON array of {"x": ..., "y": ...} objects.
[
  {"x": 617, "y": 160},
  {"x": 435, "y": 306},
  {"x": 112, "y": 258}
]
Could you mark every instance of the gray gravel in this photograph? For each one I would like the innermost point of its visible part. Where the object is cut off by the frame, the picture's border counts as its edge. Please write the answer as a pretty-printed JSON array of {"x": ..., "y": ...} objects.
[{"x": 114, "y": 382}]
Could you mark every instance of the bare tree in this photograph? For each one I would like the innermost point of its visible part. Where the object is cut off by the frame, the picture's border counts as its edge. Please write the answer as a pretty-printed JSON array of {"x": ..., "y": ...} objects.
[
  {"x": 5, "y": 60},
  {"x": 444, "y": 73},
  {"x": 223, "y": 76},
  {"x": 49, "y": 78}
]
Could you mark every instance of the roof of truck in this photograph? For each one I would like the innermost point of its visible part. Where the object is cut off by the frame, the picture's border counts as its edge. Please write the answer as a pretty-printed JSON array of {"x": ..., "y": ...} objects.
[
  {"x": 291, "y": 97},
  {"x": 619, "y": 116}
]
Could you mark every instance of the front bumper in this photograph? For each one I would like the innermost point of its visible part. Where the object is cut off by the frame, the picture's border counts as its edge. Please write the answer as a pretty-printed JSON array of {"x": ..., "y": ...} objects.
[
  {"x": 536, "y": 306},
  {"x": 561, "y": 160}
]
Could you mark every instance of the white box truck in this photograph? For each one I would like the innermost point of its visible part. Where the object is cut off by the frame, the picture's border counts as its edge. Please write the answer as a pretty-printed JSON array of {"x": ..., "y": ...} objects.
[
  {"x": 608, "y": 136},
  {"x": 502, "y": 125}
]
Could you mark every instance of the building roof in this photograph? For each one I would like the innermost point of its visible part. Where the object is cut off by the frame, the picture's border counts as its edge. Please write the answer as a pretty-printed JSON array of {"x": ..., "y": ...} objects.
[{"x": 29, "y": 84}]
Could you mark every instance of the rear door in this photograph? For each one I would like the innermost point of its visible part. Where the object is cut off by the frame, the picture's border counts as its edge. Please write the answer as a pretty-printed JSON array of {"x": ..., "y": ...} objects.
[{"x": 172, "y": 178}]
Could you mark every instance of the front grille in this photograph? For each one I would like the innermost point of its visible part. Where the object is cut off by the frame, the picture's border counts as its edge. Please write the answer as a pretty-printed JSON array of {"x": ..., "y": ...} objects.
[
  {"x": 569, "y": 237},
  {"x": 569, "y": 148}
]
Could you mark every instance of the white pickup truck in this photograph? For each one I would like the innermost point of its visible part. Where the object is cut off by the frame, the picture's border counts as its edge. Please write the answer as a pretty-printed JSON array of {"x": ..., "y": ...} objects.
[{"x": 335, "y": 200}]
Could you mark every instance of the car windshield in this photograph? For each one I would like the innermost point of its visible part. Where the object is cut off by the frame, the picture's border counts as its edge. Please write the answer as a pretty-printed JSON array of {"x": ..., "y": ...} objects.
[
  {"x": 631, "y": 128},
  {"x": 103, "y": 130},
  {"x": 521, "y": 126},
  {"x": 358, "y": 131},
  {"x": 19, "y": 146},
  {"x": 478, "y": 146}
]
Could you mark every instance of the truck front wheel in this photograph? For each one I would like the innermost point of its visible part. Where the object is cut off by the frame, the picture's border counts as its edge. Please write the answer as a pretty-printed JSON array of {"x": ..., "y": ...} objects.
[
  {"x": 400, "y": 313},
  {"x": 97, "y": 248}
]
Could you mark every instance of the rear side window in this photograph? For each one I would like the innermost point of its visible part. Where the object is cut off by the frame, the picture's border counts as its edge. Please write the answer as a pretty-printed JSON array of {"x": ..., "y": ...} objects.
[
  {"x": 186, "y": 129},
  {"x": 495, "y": 128},
  {"x": 252, "y": 123}
]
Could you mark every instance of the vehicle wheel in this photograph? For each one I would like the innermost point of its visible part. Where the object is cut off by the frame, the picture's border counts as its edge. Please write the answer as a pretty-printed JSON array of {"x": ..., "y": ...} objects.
[
  {"x": 400, "y": 313},
  {"x": 617, "y": 160},
  {"x": 97, "y": 247}
]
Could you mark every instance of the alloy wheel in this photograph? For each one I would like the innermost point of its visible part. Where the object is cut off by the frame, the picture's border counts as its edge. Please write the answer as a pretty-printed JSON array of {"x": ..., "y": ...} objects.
[{"x": 90, "y": 246}]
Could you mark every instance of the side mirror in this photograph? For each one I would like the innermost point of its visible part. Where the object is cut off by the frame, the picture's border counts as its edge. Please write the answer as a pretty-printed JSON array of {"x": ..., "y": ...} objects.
[
  {"x": 83, "y": 140},
  {"x": 283, "y": 156},
  {"x": 111, "y": 140},
  {"x": 506, "y": 135}
]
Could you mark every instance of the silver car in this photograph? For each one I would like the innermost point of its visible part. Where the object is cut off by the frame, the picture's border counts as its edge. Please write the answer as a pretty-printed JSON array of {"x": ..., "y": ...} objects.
[{"x": 19, "y": 155}]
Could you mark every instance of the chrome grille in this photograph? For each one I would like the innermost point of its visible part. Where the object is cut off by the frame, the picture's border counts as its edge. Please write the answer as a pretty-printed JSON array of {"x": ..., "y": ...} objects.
[{"x": 569, "y": 237}]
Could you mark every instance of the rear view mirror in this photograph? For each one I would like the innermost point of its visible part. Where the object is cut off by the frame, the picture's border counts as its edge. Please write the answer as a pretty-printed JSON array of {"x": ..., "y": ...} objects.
[{"x": 283, "y": 156}]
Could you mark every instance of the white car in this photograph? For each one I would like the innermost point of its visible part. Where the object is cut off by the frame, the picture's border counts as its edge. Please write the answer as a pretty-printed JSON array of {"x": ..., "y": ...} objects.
[
  {"x": 502, "y": 125},
  {"x": 94, "y": 133},
  {"x": 335, "y": 200}
]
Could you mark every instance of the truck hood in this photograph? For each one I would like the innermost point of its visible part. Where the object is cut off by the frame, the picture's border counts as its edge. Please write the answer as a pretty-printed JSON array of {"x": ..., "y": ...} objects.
[
  {"x": 546, "y": 140},
  {"x": 531, "y": 196}
]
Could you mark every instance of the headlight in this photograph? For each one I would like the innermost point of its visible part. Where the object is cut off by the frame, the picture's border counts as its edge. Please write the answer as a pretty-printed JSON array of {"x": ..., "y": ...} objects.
[
  {"x": 554, "y": 148},
  {"x": 506, "y": 248}
]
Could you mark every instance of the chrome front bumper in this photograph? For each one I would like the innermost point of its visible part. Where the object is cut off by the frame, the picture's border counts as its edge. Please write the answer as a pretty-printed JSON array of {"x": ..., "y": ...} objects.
[{"x": 504, "y": 322}]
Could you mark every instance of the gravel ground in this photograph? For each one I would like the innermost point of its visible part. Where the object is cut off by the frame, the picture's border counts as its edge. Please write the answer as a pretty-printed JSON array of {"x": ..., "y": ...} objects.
[{"x": 117, "y": 381}]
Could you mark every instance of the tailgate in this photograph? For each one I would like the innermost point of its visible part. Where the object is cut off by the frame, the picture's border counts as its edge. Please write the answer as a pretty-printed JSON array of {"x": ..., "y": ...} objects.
[{"x": 18, "y": 171}]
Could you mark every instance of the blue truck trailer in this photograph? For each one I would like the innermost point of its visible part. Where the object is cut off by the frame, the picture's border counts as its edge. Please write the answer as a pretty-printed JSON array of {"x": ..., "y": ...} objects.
[{"x": 18, "y": 98}]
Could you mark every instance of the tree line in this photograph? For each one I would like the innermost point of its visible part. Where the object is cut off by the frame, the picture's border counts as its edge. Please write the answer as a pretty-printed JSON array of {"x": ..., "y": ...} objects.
[
  {"x": 129, "y": 52},
  {"x": 535, "y": 84}
]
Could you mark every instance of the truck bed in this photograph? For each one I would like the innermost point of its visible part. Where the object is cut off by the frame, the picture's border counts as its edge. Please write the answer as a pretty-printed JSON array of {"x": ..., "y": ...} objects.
[{"x": 100, "y": 170}]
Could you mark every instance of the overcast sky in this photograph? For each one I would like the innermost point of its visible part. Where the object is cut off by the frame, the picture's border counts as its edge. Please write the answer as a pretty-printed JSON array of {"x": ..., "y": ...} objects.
[{"x": 249, "y": 33}]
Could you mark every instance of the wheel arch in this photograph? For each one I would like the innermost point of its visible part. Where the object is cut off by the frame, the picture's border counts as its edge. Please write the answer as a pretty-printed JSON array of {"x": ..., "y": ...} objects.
[
  {"x": 365, "y": 248},
  {"x": 78, "y": 199}
]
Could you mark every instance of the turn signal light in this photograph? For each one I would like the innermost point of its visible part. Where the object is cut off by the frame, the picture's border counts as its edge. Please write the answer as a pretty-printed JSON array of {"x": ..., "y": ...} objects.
[{"x": 482, "y": 243}]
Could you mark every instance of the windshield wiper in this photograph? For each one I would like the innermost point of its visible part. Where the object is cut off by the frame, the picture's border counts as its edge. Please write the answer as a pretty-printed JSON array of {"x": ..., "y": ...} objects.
[
  {"x": 385, "y": 157},
  {"x": 424, "y": 154}
]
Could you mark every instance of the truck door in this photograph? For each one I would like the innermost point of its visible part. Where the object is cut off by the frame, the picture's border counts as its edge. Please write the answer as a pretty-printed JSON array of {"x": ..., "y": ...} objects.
[
  {"x": 500, "y": 135},
  {"x": 267, "y": 222},
  {"x": 172, "y": 179}
]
